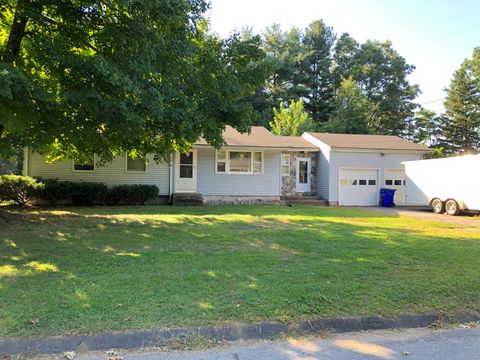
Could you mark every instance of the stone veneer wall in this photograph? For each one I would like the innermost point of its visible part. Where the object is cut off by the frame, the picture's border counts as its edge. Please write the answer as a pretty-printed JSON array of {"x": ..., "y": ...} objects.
[{"x": 288, "y": 182}]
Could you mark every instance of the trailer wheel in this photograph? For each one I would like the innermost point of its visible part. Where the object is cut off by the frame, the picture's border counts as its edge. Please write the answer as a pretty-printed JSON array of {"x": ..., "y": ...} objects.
[
  {"x": 451, "y": 207},
  {"x": 438, "y": 206}
]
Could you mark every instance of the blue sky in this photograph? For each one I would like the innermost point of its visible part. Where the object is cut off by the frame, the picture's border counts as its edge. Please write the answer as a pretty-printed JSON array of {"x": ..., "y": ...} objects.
[{"x": 435, "y": 36}]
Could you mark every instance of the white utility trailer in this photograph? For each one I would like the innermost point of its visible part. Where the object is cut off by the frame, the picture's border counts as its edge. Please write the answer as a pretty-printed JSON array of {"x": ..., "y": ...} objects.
[{"x": 446, "y": 185}]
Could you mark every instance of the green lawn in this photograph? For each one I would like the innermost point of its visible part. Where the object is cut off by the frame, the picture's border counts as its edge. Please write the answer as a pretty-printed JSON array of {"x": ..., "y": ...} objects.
[{"x": 75, "y": 270}]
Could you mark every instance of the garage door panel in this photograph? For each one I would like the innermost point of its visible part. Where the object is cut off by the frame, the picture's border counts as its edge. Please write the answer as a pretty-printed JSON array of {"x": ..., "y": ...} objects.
[
  {"x": 358, "y": 187},
  {"x": 395, "y": 179}
]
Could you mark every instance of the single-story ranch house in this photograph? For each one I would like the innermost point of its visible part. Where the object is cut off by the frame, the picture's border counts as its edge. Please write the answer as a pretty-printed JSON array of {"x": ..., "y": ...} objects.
[{"x": 341, "y": 169}]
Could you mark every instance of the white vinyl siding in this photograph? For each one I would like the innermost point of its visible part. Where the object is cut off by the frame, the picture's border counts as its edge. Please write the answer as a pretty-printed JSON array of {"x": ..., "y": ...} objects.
[
  {"x": 113, "y": 173},
  {"x": 212, "y": 183}
]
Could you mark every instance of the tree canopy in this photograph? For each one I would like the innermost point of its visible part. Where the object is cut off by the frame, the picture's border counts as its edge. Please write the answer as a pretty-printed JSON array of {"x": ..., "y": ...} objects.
[
  {"x": 293, "y": 120},
  {"x": 108, "y": 77}
]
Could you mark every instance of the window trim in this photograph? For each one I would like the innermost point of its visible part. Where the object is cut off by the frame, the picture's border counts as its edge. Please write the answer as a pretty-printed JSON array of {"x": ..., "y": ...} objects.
[
  {"x": 135, "y": 171},
  {"x": 227, "y": 162},
  {"x": 289, "y": 164},
  {"x": 85, "y": 171}
]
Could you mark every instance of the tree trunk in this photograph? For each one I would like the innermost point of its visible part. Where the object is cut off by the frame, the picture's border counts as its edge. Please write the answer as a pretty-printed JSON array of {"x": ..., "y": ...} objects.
[
  {"x": 12, "y": 50},
  {"x": 17, "y": 32}
]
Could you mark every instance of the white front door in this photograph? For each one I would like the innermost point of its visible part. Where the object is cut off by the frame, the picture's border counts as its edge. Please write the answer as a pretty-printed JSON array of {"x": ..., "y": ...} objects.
[
  {"x": 186, "y": 172},
  {"x": 395, "y": 179},
  {"x": 358, "y": 187},
  {"x": 303, "y": 171}
]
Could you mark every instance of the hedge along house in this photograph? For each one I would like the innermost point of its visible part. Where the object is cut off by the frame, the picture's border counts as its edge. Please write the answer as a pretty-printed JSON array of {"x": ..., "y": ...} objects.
[
  {"x": 352, "y": 168},
  {"x": 253, "y": 167}
]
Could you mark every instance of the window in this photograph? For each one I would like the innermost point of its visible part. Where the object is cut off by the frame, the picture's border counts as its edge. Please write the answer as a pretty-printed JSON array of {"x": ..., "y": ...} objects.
[
  {"x": 186, "y": 165},
  {"x": 84, "y": 166},
  {"x": 398, "y": 182},
  {"x": 241, "y": 162},
  {"x": 221, "y": 161},
  {"x": 257, "y": 163},
  {"x": 372, "y": 182},
  {"x": 362, "y": 182},
  {"x": 354, "y": 182},
  {"x": 136, "y": 164},
  {"x": 389, "y": 182},
  {"x": 285, "y": 164}
]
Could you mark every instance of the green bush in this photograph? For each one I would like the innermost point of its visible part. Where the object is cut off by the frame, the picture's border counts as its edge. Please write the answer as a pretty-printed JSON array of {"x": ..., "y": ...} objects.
[
  {"x": 19, "y": 189},
  {"x": 131, "y": 194},
  {"x": 88, "y": 193},
  {"x": 54, "y": 190}
]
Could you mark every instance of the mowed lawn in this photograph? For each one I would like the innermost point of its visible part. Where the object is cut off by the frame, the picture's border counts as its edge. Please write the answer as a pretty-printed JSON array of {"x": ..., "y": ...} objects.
[{"x": 81, "y": 270}]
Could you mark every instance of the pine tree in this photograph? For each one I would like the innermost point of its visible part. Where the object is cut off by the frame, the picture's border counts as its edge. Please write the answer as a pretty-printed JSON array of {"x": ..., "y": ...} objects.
[{"x": 462, "y": 132}]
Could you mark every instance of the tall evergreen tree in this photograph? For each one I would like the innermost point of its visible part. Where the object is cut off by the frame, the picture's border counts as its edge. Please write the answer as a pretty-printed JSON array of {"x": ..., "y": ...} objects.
[
  {"x": 316, "y": 65},
  {"x": 462, "y": 132},
  {"x": 382, "y": 74}
]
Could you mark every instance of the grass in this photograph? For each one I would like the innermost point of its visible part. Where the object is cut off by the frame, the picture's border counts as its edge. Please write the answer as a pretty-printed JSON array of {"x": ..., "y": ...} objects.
[{"x": 81, "y": 270}]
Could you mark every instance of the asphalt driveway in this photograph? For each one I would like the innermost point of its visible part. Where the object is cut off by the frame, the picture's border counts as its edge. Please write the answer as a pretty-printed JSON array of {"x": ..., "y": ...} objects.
[{"x": 469, "y": 219}]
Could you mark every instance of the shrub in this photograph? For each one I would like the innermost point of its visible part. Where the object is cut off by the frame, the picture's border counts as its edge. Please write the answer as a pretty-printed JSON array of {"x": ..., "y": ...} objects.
[
  {"x": 19, "y": 189},
  {"x": 54, "y": 190},
  {"x": 131, "y": 194},
  {"x": 87, "y": 193}
]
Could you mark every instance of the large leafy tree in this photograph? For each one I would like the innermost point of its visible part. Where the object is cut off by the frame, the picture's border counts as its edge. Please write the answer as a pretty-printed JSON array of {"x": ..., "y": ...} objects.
[
  {"x": 87, "y": 76},
  {"x": 462, "y": 131},
  {"x": 353, "y": 112},
  {"x": 382, "y": 74}
]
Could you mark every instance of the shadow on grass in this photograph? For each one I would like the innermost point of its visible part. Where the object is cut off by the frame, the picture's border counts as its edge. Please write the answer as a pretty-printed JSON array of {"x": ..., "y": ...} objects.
[{"x": 92, "y": 269}]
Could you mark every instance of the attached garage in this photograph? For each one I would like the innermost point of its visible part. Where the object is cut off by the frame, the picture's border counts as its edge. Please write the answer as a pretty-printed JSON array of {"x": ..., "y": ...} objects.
[
  {"x": 358, "y": 187},
  {"x": 353, "y": 168}
]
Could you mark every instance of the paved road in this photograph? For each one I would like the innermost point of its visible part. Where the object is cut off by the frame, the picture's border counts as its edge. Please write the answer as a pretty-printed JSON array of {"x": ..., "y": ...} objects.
[{"x": 452, "y": 344}]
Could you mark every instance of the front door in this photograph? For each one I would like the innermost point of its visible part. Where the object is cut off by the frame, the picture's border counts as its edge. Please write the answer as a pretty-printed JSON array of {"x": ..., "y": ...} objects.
[
  {"x": 186, "y": 172},
  {"x": 303, "y": 183}
]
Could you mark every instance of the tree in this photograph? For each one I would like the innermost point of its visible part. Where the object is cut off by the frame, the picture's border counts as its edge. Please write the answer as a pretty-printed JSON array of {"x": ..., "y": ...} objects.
[
  {"x": 315, "y": 67},
  {"x": 426, "y": 127},
  {"x": 462, "y": 104},
  {"x": 292, "y": 121},
  {"x": 109, "y": 77},
  {"x": 382, "y": 75},
  {"x": 353, "y": 112}
]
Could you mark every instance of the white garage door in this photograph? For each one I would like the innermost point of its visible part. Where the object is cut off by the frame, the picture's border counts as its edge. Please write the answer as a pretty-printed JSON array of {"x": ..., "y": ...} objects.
[
  {"x": 395, "y": 179},
  {"x": 358, "y": 187}
]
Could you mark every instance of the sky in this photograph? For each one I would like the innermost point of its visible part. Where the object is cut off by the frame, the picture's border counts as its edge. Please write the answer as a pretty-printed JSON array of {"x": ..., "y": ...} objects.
[{"x": 435, "y": 36}]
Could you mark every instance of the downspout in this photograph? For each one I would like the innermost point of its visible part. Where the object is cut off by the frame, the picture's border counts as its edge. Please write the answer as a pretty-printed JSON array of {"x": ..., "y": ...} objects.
[
  {"x": 26, "y": 161},
  {"x": 170, "y": 182}
]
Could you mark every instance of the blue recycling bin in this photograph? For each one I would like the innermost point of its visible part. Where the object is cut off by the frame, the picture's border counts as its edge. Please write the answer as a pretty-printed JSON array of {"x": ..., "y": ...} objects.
[{"x": 386, "y": 197}]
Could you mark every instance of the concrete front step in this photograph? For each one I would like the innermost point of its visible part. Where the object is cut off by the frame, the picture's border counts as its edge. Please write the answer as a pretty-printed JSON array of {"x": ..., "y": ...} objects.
[
  {"x": 188, "y": 199},
  {"x": 305, "y": 200}
]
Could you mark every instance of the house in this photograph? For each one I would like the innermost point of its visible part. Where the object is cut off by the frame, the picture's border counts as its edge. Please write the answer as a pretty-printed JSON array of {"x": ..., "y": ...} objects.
[{"x": 259, "y": 166}]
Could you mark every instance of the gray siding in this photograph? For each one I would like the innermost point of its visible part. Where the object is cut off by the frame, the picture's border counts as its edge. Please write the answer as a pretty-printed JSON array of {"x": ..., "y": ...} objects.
[
  {"x": 113, "y": 173},
  {"x": 323, "y": 170},
  {"x": 211, "y": 184},
  {"x": 364, "y": 160}
]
